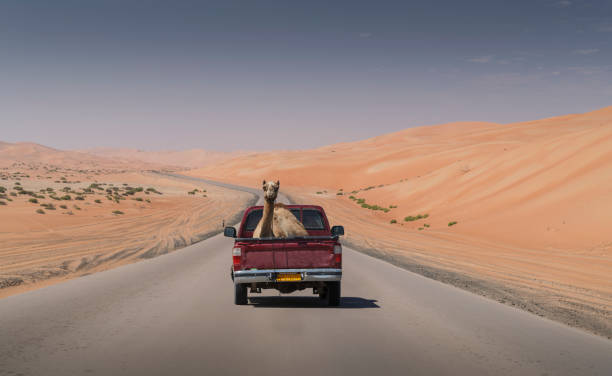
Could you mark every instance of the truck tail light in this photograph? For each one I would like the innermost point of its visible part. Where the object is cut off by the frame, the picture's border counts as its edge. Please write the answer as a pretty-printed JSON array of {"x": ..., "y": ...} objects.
[
  {"x": 338, "y": 253},
  {"x": 236, "y": 255}
]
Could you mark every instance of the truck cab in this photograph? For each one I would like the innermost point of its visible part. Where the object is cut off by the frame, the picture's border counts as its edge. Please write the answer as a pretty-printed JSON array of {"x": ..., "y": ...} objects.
[{"x": 287, "y": 264}]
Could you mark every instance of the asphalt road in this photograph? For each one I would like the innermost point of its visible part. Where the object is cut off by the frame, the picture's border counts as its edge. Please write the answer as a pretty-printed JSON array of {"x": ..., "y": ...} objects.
[{"x": 174, "y": 315}]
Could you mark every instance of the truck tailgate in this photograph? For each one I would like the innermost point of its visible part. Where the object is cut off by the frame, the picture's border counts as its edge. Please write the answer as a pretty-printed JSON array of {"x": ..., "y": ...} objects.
[
  {"x": 309, "y": 254},
  {"x": 288, "y": 254}
]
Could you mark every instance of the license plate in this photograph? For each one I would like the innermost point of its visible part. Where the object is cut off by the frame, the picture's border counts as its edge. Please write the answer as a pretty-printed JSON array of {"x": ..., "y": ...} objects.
[{"x": 288, "y": 277}]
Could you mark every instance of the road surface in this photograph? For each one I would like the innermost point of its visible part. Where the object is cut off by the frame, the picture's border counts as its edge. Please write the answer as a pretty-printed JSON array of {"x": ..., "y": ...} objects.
[{"x": 174, "y": 315}]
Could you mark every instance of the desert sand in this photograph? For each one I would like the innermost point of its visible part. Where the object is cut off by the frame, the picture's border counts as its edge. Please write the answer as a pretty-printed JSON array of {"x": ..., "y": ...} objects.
[
  {"x": 517, "y": 212},
  {"x": 64, "y": 222}
]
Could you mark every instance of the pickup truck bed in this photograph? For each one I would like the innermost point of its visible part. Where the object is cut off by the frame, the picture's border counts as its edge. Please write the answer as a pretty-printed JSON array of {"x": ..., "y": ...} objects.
[{"x": 288, "y": 265}]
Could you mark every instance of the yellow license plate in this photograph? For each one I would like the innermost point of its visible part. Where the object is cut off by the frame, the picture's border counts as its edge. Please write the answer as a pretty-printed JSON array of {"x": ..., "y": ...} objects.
[{"x": 288, "y": 277}]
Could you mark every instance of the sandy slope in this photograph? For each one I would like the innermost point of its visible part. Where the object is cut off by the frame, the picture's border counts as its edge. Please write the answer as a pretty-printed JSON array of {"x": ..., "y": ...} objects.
[
  {"x": 81, "y": 236},
  {"x": 177, "y": 158},
  {"x": 532, "y": 201}
]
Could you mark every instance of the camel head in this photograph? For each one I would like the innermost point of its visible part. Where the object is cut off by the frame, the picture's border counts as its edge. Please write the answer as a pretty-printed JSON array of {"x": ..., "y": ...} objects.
[{"x": 270, "y": 190}]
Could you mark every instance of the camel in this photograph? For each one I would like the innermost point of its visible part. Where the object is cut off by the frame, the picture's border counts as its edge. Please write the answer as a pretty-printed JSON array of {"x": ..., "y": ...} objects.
[{"x": 277, "y": 221}]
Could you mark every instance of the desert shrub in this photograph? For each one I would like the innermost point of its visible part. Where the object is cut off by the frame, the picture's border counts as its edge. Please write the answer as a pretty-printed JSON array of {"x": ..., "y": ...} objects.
[
  {"x": 360, "y": 201},
  {"x": 385, "y": 210},
  {"x": 33, "y": 200},
  {"x": 66, "y": 189},
  {"x": 393, "y": 221},
  {"x": 17, "y": 183},
  {"x": 117, "y": 212},
  {"x": 80, "y": 198},
  {"x": 147, "y": 200},
  {"x": 48, "y": 206},
  {"x": 191, "y": 192},
  {"x": 96, "y": 186},
  {"x": 2, "y": 189},
  {"x": 18, "y": 188},
  {"x": 352, "y": 197},
  {"x": 319, "y": 193},
  {"x": 54, "y": 197},
  {"x": 66, "y": 197},
  {"x": 153, "y": 190},
  {"x": 69, "y": 212},
  {"x": 392, "y": 206},
  {"x": 420, "y": 228},
  {"x": 355, "y": 192},
  {"x": 2, "y": 202},
  {"x": 76, "y": 207},
  {"x": 40, "y": 211},
  {"x": 339, "y": 194},
  {"x": 63, "y": 206},
  {"x": 137, "y": 198},
  {"x": 13, "y": 194},
  {"x": 49, "y": 189},
  {"x": 425, "y": 225},
  {"x": 97, "y": 201},
  {"x": 452, "y": 223}
]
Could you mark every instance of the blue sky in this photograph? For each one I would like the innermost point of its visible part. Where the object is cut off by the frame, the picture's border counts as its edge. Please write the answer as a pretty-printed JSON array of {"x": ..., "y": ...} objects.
[{"x": 228, "y": 75}]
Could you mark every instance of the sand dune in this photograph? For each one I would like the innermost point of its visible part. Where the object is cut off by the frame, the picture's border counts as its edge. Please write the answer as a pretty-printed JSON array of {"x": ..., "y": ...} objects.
[
  {"x": 35, "y": 155},
  {"x": 183, "y": 159},
  {"x": 532, "y": 202}
]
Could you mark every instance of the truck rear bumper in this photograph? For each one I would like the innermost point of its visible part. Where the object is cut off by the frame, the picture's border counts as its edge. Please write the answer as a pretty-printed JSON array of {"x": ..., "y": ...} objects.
[{"x": 269, "y": 275}]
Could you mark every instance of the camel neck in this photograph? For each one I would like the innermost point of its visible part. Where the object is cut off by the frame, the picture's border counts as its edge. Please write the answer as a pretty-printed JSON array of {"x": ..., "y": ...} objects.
[{"x": 267, "y": 217}]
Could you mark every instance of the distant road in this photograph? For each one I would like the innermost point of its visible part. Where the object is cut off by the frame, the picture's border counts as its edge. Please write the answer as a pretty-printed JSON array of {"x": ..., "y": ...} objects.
[{"x": 174, "y": 315}]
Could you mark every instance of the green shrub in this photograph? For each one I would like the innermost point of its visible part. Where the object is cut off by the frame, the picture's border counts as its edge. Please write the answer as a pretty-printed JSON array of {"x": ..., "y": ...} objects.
[
  {"x": 393, "y": 221},
  {"x": 361, "y": 200},
  {"x": 411, "y": 218},
  {"x": 452, "y": 223},
  {"x": 97, "y": 201},
  {"x": 76, "y": 207},
  {"x": 339, "y": 194},
  {"x": 426, "y": 225},
  {"x": 319, "y": 193},
  {"x": 2, "y": 189},
  {"x": 2, "y": 202},
  {"x": 420, "y": 228},
  {"x": 147, "y": 200},
  {"x": 33, "y": 200},
  {"x": 63, "y": 206},
  {"x": 117, "y": 212},
  {"x": 13, "y": 194},
  {"x": 66, "y": 197},
  {"x": 137, "y": 198},
  {"x": 352, "y": 197},
  {"x": 392, "y": 206},
  {"x": 80, "y": 198},
  {"x": 40, "y": 211}
]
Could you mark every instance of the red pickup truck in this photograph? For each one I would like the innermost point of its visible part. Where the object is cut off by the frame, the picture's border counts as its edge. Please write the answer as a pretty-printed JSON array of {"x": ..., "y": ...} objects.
[{"x": 287, "y": 264}]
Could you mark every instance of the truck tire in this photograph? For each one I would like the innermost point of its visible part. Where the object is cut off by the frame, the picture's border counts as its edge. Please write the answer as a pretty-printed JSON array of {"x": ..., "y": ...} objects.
[
  {"x": 333, "y": 294},
  {"x": 240, "y": 294}
]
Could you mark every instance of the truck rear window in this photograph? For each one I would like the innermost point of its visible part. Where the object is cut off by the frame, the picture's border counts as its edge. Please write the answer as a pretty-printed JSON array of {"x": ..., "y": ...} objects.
[
  {"x": 255, "y": 216},
  {"x": 312, "y": 219}
]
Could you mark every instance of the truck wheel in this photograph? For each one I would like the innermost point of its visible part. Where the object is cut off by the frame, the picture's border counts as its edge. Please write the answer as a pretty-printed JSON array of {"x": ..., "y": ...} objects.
[
  {"x": 333, "y": 294},
  {"x": 323, "y": 293},
  {"x": 240, "y": 294}
]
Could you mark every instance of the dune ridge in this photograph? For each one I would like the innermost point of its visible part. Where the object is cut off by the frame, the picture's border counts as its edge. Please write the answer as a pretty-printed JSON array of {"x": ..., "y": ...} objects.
[{"x": 524, "y": 206}]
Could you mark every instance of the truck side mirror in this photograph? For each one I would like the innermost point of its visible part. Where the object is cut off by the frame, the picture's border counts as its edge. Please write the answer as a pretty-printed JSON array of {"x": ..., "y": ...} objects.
[
  {"x": 337, "y": 230},
  {"x": 229, "y": 232}
]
